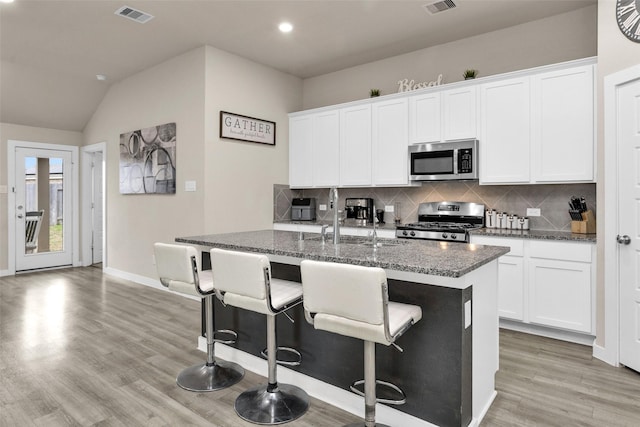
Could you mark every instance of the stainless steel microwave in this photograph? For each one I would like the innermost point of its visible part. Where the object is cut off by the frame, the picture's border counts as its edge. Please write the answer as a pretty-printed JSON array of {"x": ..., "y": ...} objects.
[{"x": 444, "y": 161}]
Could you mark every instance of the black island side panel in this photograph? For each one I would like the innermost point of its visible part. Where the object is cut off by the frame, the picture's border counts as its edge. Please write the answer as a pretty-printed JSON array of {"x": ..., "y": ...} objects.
[{"x": 434, "y": 370}]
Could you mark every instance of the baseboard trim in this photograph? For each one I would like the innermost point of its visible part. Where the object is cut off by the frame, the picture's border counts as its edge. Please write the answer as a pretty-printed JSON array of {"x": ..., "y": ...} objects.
[
  {"x": 603, "y": 354},
  {"x": 328, "y": 393},
  {"x": 476, "y": 421},
  {"x": 558, "y": 334},
  {"x": 5, "y": 273},
  {"x": 143, "y": 280}
]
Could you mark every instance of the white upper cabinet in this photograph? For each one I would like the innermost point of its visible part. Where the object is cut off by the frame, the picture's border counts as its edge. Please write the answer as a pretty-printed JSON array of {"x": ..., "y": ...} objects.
[
  {"x": 326, "y": 149},
  {"x": 424, "y": 118},
  {"x": 358, "y": 146},
  {"x": 538, "y": 128},
  {"x": 459, "y": 113},
  {"x": 389, "y": 142},
  {"x": 355, "y": 146},
  {"x": 314, "y": 150},
  {"x": 563, "y": 131},
  {"x": 505, "y": 131},
  {"x": 301, "y": 151},
  {"x": 533, "y": 126},
  {"x": 443, "y": 115}
]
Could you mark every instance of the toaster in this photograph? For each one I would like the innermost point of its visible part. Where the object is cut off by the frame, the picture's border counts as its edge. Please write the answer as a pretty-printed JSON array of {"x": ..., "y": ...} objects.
[{"x": 303, "y": 209}]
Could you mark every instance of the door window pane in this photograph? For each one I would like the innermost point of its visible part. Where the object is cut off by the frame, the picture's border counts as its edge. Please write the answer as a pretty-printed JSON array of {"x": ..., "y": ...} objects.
[{"x": 44, "y": 219}]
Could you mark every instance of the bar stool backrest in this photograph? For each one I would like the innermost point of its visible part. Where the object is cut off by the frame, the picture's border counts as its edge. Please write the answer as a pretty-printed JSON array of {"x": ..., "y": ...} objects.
[
  {"x": 174, "y": 267},
  {"x": 240, "y": 273},
  {"x": 350, "y": 291}
]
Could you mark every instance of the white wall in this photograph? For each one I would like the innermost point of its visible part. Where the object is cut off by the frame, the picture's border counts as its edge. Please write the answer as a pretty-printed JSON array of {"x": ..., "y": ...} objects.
[
  {"x": 170, "y": 92},
  {"x": 556, "y": 39},
  {"x": 30, "y": 134},
  {"x": 240, "y": 175},
  {"x": 234, "y": 179}
]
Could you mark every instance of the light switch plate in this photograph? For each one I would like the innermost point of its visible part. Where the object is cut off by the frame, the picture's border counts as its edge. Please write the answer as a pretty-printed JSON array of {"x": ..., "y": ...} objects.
[
  {"x": 533, "y": 211},
  {"x": 388, "y": 208},
  {"x": 322, "y": 207},
  {"x": 189, "y": 186},
  {"x": 3, "y": 189}
]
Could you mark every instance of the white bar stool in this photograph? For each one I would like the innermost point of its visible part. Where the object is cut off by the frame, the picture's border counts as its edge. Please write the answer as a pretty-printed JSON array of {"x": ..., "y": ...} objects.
[
  {"x": 353, "y": 301},
  {"x": 244, "y": 281},
  {"x": 178, "y": 270}
]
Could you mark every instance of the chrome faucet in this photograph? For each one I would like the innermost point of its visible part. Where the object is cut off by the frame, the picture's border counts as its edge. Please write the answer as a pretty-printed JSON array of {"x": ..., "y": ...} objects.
[
  {"x": 333, "y": 202},
  {"x": 374, "y": 235}
]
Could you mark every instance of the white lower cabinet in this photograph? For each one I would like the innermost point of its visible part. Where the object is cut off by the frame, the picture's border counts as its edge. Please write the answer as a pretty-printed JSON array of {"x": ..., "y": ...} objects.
[
  {"x": 511, "y": 283},
  {"x": 546, "y": 283},
  {"x": 560, "y": 285},
  {"x": 511, "y": 287},
  {"x": 560, "y": 294}
]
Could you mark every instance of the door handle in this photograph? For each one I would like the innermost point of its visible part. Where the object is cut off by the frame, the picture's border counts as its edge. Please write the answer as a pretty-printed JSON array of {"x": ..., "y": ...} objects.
[
  {"x": 19, "y": 216},
  {"x": 623, "y": 240}
]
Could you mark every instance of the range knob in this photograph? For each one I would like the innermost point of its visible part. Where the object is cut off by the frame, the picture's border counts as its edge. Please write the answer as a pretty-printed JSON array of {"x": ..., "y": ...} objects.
[
  {"x": 454, "y": 236},
  {"x": 413, "y": 233},
  {"x": 404, "y": 233},
  {"x": 445, "y": 235}
]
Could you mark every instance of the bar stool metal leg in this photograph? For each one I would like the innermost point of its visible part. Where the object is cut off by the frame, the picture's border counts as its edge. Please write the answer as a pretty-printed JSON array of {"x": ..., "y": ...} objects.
[
  {"x": 369, "y": 388},
  {"x": 272, "y": 403},
  {"x": 212, "y": 375}
]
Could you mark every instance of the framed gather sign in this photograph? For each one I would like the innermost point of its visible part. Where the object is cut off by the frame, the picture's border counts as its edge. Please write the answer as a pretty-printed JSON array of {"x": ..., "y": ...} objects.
[{"x": 244, "y": 128}]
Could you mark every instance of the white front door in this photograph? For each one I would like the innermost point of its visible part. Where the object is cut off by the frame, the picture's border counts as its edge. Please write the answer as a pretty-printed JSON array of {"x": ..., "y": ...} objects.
[
  {"x": 628, "y": 130},
  {"x": 43, "y": 208}
]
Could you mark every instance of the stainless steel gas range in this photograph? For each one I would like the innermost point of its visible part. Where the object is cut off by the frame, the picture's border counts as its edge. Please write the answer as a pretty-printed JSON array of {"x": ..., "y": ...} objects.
[{"x": 444, "y": 221}]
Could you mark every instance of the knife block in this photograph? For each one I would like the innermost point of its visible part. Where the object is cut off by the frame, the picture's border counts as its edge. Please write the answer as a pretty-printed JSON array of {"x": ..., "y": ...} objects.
[{"x": 586, "y": 226}]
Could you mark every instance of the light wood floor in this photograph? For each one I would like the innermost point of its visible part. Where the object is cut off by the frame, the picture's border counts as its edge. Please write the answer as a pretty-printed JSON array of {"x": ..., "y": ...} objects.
[{"x": 79, "y": 348}]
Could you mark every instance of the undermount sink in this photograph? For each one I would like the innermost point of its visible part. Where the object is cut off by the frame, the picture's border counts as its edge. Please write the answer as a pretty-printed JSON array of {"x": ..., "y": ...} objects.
[{"x": 360, "y": 240}]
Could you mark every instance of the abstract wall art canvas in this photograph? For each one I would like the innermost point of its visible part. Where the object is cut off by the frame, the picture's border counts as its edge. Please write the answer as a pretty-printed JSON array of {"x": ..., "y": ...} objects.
[{"x": 148, "y": 160}]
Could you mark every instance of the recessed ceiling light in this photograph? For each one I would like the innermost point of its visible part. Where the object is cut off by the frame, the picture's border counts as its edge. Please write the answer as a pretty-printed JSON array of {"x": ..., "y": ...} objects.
[
  {"x": 101, "y": 77},
  {"x": 285, "y": 27},
  {"x": 6, "y": 1}
]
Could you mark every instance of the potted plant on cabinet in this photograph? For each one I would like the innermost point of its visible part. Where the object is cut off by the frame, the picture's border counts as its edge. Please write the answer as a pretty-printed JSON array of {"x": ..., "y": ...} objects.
[{"x": 470, "y": 74}]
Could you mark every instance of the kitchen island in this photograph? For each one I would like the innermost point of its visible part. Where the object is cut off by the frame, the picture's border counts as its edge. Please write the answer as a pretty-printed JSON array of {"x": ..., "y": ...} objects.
[{"x": 450, "y": 357}]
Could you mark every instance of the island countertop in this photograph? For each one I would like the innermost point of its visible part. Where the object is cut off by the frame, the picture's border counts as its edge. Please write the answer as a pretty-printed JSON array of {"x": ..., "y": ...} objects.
[
  {"x": 456, "y": 380},
  {"x": 444, "y": 259}
]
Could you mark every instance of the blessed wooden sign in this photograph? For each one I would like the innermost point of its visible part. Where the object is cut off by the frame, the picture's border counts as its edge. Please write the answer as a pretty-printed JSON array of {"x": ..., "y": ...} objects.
[{"x": 405, "y": 85}]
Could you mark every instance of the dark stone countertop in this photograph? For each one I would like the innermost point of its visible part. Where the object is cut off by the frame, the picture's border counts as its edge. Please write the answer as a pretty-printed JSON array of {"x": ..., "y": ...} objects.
[
  {"x": 536, "y": 235},
  {"x": 492, "y": 232},
  {"x": 415, "y": 256}
]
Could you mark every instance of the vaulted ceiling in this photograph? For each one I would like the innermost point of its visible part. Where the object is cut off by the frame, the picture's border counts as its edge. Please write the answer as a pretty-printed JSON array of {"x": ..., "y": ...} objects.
[{"x": 51, "y": 51}]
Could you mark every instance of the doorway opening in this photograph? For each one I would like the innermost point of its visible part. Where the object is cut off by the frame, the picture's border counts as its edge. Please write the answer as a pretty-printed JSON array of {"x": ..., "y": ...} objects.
[{"x": 93, "y": 205}]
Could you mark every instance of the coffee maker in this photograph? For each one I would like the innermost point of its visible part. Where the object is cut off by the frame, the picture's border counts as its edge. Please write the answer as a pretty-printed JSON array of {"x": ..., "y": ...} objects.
[{"x": 359, "y": 211}]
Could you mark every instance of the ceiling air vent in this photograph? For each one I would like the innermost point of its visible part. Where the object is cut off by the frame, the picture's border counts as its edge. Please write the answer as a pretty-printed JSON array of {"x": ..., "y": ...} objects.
[
  {"x": 134, "y": 14},
  {"x": 439, "y": 6}
]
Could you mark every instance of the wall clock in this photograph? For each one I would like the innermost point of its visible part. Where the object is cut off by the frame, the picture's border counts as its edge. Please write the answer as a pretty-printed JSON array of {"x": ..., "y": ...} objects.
[{"x": 628, "y": 17}]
